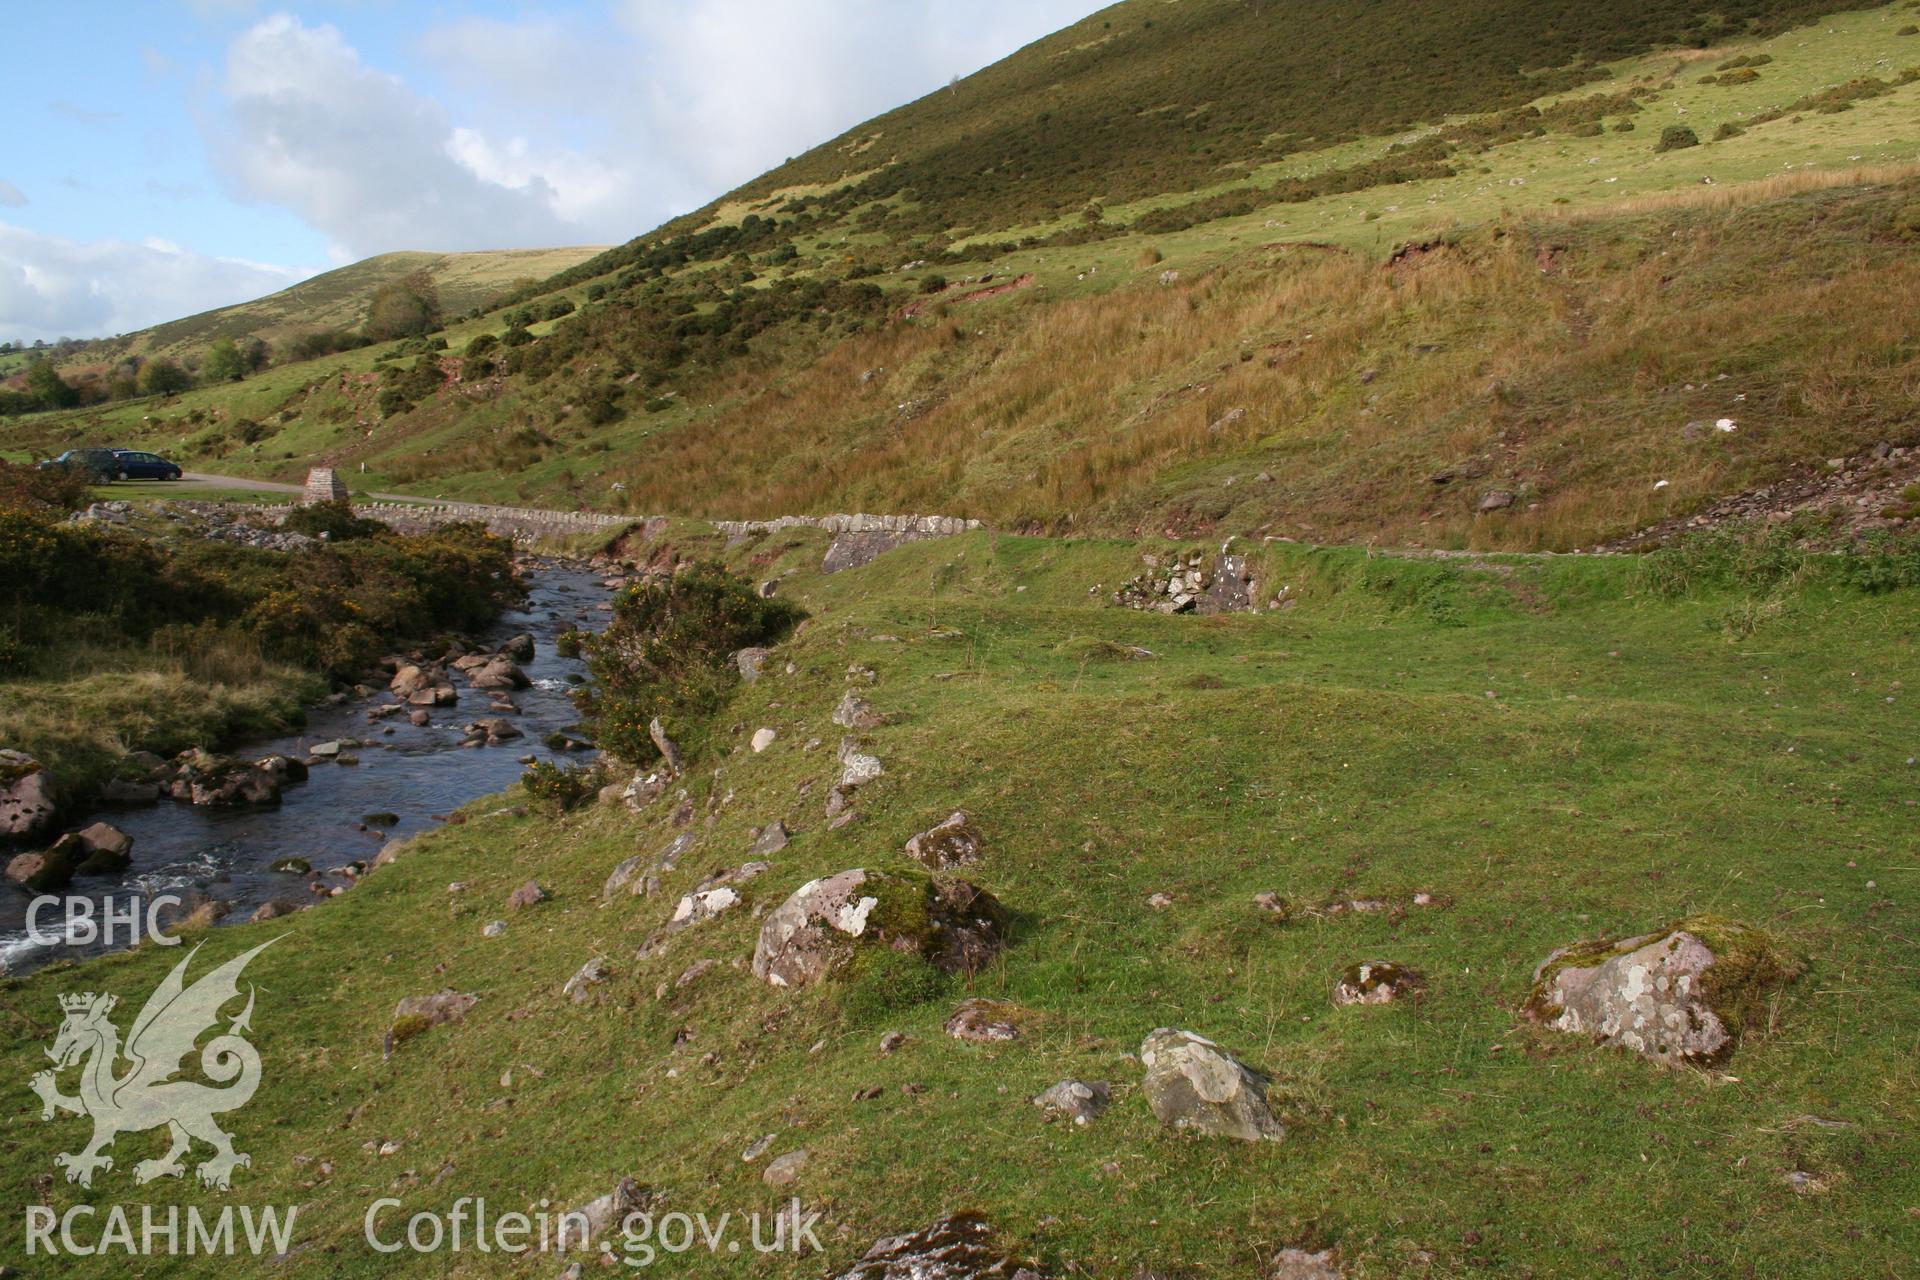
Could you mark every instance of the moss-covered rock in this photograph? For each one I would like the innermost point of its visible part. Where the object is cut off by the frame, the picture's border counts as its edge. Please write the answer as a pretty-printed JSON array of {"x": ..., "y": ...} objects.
[
  {"x": 1682, "y": 995},
  {"x": 953, "y": 925},
  {"x": 416, "y": 1014}
]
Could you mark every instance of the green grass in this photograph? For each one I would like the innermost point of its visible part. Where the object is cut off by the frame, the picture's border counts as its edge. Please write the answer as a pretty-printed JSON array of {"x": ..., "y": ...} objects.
[{"x": 1552, "y": 747}]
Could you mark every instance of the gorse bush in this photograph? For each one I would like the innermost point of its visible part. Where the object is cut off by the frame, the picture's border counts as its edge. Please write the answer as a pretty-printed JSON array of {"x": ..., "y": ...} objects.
[
  {"x": 334, "y": 521},
  {"x": 667, "y": 653},
  {"x": 558, "y": 788},
  {"x": 24, "y": 487}
]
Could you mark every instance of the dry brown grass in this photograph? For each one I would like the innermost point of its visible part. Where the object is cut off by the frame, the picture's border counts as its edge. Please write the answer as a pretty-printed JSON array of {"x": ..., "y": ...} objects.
[{"x": 1152, "y": 407}]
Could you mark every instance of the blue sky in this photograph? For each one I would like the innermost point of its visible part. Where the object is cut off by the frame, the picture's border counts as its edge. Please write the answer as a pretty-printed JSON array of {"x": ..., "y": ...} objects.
[{"x": 160, "y": 160}]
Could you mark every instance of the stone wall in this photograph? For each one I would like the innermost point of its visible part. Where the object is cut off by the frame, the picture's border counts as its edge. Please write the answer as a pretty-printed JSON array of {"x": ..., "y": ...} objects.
[
  {"x": 904, "y": 526},
  {"x": 857, "y": 538},
  {"x": 522, "y": 524}
]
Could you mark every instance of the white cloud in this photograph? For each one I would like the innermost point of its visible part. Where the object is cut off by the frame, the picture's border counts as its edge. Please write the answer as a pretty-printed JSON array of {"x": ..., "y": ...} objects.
[
  {"x": 573, "y": 130},
  {"x": 52, "y": 287},
  {"x": 358, "y": 155},
  {"x": 11, "y": 196}
]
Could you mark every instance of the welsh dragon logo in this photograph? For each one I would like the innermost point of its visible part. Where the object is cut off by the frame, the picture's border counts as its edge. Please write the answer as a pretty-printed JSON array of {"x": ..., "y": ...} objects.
[{"x": 146, "y": 1094}]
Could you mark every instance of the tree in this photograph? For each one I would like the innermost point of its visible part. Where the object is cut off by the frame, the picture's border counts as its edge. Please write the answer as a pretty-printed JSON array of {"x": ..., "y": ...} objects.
[
  {"x": 223, "y": 362},
  {"x": 406, "y": 308},
  {"x": 45, "y": 385},
  {"x": 164, "y": 378}
]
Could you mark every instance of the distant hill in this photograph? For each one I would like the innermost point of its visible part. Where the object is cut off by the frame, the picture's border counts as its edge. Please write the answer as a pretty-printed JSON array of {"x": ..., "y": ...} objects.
[{"x": 338, "y": 299}]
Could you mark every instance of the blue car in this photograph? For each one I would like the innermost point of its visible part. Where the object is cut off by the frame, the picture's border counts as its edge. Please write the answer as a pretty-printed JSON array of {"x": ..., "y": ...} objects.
[
  {"x": 135, "y": 465},
  {"x": 103, "y": 465}
]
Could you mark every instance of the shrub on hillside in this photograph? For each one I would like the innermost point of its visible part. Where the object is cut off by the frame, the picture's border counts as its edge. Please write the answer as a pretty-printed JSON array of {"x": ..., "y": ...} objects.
[
  {"x": 667, "y": 655},
  {"x": 25, "y": 487},
  {"x": 329, "y": 608},
  {"x": 1676, "y": 137},
  {"x": 557, "y": 788}
]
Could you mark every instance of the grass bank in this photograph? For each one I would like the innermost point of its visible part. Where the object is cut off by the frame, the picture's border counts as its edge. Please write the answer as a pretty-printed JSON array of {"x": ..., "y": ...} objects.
[{"x": 1553, "y": 748}]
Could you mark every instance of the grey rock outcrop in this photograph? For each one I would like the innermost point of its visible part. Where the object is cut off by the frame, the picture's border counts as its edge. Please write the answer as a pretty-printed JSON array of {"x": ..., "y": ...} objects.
[
  {"x": 1191, "y": 583},
  {"x": 855, "y": 712},
  {"x": 580, "y": 987},
  {"x": 1299, "y": 1264},
  {"x": 1192, "y": 1083},
  {"x": 415, "y": 1014}
]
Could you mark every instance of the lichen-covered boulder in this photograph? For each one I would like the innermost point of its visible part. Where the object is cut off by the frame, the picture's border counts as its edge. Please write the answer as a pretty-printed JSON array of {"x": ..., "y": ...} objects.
[
  {"x": 953, "y": 925},
  {"x": 953, "y": 843},
  {"x": 622, "y": 876},
  {"x": 1377, "y": 982},
  {"x": 1682, "y": 995},
  {"x": 27, "y": 795},
  {"x": 956, "y": 1248},
  {"x": 1192, "y": 1083}
]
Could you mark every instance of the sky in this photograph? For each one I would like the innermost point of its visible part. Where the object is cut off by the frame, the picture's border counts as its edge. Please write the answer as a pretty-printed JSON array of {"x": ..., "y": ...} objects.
[{"x": 159, "y": 160}]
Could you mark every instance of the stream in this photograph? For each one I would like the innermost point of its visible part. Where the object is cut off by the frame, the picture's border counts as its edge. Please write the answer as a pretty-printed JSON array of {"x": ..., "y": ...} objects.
[{"x": 412, "y": 773}]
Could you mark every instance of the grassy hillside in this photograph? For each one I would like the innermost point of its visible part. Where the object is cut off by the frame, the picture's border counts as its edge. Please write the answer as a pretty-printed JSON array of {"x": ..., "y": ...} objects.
[
  {"x": 1552, "y": 749},
  {"x": 1143, "y": 98},
  {"x": 1539, "y": 295}
]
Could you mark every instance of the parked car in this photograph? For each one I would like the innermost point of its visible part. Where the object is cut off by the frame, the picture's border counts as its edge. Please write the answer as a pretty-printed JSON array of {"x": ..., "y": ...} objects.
[
  {"x": 135, "y": 465},
  {"x": 103, "y": 463}
]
